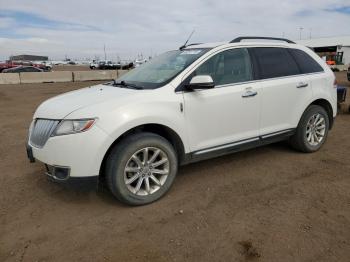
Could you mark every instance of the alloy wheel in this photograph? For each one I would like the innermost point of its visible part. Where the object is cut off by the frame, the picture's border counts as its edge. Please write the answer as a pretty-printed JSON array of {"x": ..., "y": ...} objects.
[
  {"x": 315, "y": 129},
  {"x": 146, "y": 171}
]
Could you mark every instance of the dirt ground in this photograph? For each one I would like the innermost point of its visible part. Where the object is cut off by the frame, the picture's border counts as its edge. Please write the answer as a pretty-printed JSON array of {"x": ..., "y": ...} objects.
[{"x": 266, "y": 204}]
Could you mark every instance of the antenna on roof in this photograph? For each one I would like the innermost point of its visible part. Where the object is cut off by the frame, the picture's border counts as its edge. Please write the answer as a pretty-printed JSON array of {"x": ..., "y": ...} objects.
[{"x": 188, "y": 39}]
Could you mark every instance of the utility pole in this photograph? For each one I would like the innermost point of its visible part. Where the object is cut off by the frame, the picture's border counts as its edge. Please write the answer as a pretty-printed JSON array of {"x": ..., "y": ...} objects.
[
  {"x": 300, "y": 30},
  {"x": 104, "y": 50},
  {"x": 310, "y": 32}
]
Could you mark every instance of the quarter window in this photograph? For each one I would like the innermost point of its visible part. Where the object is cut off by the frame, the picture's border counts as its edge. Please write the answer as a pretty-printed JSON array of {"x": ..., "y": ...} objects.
[
  {"x": 275, "y": 62},
  {"x": 228, "y": 67},
  {"x": 305, "y": 62}
]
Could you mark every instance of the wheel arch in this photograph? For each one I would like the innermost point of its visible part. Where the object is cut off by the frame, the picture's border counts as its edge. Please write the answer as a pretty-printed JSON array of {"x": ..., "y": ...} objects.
[
  {"x": 327, "y": 106},
  {"x": 159, "y": 129}
]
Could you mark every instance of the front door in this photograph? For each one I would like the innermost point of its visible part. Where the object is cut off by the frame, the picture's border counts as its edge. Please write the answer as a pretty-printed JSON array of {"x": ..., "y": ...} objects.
[{"x": 229, "y": 112}]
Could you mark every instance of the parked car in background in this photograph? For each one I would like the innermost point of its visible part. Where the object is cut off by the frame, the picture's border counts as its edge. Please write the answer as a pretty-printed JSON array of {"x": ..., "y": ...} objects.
[
  {"x": 22, "y": 69},
  {"x": 139, "y": 62},
  {"x": 348, "y": 73},
  {"x": 195, "y": 103},
  {"x": 94, "y": 64},
  {"x": 108, "y": 65},
  {"x": 341, "y": 94},
  {"x": 11, "y": 64},
  {"x": 44, "y": 65},
  {"x": 58, "y": 63},
  {"x": 127, "y": 66}
]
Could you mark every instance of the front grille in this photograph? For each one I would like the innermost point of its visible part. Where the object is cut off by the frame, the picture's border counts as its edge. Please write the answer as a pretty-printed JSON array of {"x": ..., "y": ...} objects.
[{"x": 41, "y": 131}]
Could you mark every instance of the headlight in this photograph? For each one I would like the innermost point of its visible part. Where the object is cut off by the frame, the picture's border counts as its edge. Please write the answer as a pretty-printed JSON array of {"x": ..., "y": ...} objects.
[{"x": 73, "y": 126}]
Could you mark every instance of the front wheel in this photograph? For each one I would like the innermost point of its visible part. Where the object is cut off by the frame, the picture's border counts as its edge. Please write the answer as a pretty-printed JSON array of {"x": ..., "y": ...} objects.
[
  {"x": 312, "y": 130},
  {"x": 141, "y": 168}
]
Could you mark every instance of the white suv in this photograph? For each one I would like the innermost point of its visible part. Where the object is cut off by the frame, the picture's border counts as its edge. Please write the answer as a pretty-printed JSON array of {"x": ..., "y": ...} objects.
[{"x": 199, "y": 102}]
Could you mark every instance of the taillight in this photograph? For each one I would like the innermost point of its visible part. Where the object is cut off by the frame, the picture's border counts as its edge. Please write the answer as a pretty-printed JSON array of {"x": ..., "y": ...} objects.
[{"x": 335, "y": 84}]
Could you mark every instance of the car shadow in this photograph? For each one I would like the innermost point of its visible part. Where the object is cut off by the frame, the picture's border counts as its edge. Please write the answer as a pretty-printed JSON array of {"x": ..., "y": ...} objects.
[
  {"x": 80, "y": 192},
  {"x": 280, "y": 147}
]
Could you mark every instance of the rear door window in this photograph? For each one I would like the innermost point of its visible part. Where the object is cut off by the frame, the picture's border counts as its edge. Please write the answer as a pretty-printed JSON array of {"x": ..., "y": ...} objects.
[
  {"x": 274, "y": 62},
  {"x": 305, "y": 62}
]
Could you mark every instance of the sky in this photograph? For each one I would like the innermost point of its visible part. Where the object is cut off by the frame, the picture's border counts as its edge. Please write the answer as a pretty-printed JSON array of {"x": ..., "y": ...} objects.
[{"x": 79, "y": 29}]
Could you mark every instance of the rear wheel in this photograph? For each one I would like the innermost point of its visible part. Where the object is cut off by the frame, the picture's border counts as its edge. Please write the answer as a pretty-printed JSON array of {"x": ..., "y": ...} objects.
[
  {"x": 312, "y": 130},
  {"x": 141, "y": 168}
]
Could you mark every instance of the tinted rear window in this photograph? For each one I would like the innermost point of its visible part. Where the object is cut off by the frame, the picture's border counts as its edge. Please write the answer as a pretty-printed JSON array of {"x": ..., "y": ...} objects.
[
  {"x": 275, "y": 62},
  {"x": 306, "y": 63}
]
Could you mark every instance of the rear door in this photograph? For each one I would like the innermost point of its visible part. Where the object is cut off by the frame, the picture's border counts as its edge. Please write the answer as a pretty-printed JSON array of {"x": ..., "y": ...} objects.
[
  {"x": 319, "y": 81},
  {"x": 284, "y": 89}
]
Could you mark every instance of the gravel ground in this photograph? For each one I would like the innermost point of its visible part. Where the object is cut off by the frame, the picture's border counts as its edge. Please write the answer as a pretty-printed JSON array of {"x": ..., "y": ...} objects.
[{"x": 266, "y": 204}]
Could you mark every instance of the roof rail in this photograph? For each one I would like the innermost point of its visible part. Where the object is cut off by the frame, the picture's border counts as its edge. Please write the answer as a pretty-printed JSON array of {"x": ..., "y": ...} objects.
[{"x": 239, "y": 39}]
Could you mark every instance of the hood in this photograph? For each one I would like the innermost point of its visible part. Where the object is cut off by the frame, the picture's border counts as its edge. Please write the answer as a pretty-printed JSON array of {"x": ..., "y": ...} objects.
[{"x": 61, "y": 106}]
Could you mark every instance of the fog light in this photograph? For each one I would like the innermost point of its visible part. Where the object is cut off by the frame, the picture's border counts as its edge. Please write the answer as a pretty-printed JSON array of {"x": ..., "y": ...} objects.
[
  {"x": 61, "y": 173},
  {"x": 58, "y": 172}
]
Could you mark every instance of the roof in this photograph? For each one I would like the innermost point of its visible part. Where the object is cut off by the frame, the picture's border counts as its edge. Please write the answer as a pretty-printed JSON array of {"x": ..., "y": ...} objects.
[
  {"x": 206, "y": 45},
  {"x": 326, "y": 41},
  {"x": 314, "y": 42},
  {"x": 243, "y": 43}
]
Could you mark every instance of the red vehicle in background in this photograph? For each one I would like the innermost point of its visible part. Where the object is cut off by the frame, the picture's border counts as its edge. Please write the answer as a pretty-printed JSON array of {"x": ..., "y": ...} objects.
[
  {"x": 330, "y": 62},
  {"x": 10, "y": 64}
]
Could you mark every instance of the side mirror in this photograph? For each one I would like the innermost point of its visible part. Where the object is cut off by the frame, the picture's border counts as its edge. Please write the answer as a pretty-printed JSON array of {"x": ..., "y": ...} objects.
[{"x": 201, "y": 82}]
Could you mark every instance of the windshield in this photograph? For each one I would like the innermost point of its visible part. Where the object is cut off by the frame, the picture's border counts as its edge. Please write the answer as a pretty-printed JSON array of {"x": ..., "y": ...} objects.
[{"x": 162, "y": 69}]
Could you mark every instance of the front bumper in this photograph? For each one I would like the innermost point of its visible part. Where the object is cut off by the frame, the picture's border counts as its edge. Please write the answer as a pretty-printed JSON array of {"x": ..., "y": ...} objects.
[
  {"x": 72, "y": 156},
  {"x": 61, "y": 175},
  {"x": 30, "y": 153}
]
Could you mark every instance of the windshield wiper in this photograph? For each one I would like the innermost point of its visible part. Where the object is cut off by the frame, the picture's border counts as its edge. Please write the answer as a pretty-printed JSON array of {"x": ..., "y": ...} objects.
[{"x": 126, "y": 85}]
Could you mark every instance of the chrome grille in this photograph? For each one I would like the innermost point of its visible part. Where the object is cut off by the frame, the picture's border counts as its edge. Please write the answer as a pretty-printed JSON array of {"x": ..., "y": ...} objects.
[{"x": 41, "y": 131}]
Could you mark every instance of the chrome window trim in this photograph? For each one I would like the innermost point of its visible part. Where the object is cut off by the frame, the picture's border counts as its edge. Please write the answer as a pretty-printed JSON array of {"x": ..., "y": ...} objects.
[
  {"x": 254, "y": 81},
  {"x": 203, "y": 60}
]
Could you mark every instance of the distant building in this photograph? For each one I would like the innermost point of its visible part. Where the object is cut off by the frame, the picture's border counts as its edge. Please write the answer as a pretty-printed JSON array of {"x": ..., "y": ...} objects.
[
  {"x": 28, "y": 58},
  {"x": 331, "y": 48}
]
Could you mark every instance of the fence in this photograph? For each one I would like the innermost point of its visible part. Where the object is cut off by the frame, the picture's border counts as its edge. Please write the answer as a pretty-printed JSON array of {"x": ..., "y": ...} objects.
[{"x": 59, "y": 76}]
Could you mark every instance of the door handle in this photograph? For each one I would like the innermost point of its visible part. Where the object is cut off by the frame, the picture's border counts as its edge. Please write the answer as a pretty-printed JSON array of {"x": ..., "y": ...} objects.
[
  {"x": 302, "y": 85},
  {"x": 249, "y": 93}
]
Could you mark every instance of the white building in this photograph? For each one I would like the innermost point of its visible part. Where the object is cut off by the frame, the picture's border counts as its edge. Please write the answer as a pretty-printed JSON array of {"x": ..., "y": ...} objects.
[{"x": 332, "y": 47}]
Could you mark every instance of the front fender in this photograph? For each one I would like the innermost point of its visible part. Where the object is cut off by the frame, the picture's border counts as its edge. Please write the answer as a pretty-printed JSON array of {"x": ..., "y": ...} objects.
[
  {"x": 164, "y": 113},
  {"x": 119, "y": 120}
]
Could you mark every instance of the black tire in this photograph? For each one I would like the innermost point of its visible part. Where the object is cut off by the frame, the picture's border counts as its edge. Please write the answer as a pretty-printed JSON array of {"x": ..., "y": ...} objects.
[
  {"x": 299, "y": 140},
  {"x": 121, "y": 154}
]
